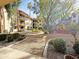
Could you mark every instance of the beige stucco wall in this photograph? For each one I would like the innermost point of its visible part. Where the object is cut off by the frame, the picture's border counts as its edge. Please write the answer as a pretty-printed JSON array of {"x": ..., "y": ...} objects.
[
  {"x": 7, "y": 21},
  {"x": 28, "y": 23}
]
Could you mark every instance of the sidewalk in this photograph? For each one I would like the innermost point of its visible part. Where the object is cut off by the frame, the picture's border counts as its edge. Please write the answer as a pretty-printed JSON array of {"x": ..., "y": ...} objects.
[
  {"x": 29, "y": 48},
  {"x": 9, "y": 53}
]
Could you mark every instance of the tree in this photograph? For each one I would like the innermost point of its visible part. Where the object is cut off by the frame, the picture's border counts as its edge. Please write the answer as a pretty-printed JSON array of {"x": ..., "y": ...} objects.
[
  {"x": 36, "y": 7},
  {"x": 52, "y": 10},
  {"x": 29, "y": 7}
]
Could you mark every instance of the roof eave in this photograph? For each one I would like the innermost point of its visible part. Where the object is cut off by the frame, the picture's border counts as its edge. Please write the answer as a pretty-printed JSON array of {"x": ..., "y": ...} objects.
[{"x": 2, "y": 2}]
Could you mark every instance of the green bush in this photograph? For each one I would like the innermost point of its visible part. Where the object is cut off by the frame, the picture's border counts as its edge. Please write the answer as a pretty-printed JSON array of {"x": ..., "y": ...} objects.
[
  {"x": 46, "y": 32},
  {"x": 15, "y": 35},
  {"x": 12, "y": 37},
  {"x": 59, "y": 45},
  {"x": 76, "y": 47},
  {"x": 2, "y": 37},
  {"x": 9, "y": 38}
]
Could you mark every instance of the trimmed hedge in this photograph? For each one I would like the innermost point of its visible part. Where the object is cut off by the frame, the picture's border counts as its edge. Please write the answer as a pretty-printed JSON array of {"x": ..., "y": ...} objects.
[
  {"x": 11, "y": 37},
  {"x": 3, "y": 37}
]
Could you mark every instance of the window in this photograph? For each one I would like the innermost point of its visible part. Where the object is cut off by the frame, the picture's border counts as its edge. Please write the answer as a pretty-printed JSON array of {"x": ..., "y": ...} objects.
[
  {"x": 22, "y": 27},
  {"x": 21, "y": 21}
]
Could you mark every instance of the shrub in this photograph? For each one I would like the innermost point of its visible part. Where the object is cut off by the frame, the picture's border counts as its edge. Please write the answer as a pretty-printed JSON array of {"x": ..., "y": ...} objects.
[
  {"x": 15, "y": 35},
  {"x": 59, "y": 45},
  {"x": 76, "y": 47},
  {"x": 2, "y": 37},
  {"x": 45, "y": 32},
  {"x": 9, "y": 38},
  {"x": 12, "y": 37},
  {"x": 34, "y": 30}
]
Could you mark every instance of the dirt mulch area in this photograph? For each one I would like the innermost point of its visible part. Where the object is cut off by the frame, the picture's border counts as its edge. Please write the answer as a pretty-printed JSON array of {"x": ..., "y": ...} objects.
[{"x": 52, "y": 54}]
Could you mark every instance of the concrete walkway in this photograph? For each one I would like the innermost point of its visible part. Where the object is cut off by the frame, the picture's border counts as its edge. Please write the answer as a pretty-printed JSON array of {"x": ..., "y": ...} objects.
[
  {"x": 31, "y": 44},
  {"x": 9, "y": 53},
  {"x": 29, "y": 48}
]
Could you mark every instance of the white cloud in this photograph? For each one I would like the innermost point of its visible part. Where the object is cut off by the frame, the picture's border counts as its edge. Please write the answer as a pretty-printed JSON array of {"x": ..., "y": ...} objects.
[{"x": 76, "y": 5}]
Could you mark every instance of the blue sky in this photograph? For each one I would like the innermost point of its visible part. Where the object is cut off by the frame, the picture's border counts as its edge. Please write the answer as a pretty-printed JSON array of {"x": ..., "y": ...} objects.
[
  {"x": 24, "y": 4},
  {"x": 23, "y": 7}
]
